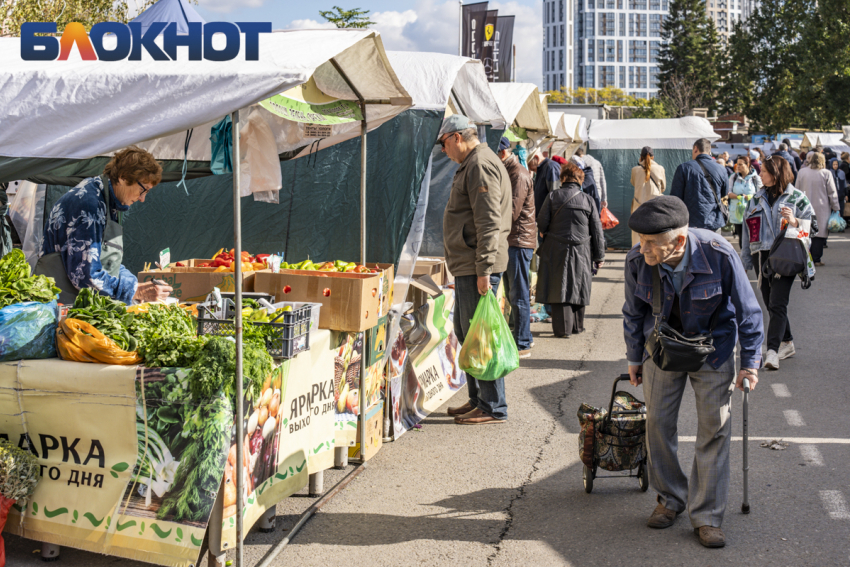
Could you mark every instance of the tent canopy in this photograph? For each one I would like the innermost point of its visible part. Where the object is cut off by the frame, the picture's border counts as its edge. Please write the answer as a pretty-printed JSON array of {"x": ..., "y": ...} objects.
[
  {"x": 521, "y": 106},
  {"x": 432, "y": 79},
  {"x": 669, "y": 133},
  {"x": 180, "y": 12},
  {"x": 559, "y": 128},
  {"x": 834, "y": 140},
  {"x": 574, "y": 126},
  {"x": 81, "y": 109}
]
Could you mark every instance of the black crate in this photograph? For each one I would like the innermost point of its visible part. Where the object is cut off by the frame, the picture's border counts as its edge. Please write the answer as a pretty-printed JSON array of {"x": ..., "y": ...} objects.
[{"x": 290, "y": 335}]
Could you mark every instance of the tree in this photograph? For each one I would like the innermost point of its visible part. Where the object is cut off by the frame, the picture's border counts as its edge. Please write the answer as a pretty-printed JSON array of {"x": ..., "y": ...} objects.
[
  {"x": 87, "y": 12},
  {"x": 581, "y": 95},
  {"x": 658, "y": 107},
  {"x": 739, "y": 83},
  {"x": 355, "y": 18},
  {"x": 691, "y": 52}
]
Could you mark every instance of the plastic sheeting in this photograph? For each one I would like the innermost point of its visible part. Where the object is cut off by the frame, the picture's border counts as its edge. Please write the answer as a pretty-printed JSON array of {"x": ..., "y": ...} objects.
[
  {"x": 618, "y": 166},
  {"x": 432, "y": 78},
  {"x": 667, "y": 133},
  {"x": 81, "y": 109},
  {"x": 319, "y": 211},
  {"x": 27, "y": 210}
]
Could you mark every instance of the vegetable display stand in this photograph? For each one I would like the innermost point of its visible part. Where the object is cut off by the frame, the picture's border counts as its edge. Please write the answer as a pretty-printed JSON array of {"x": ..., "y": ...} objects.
[{"x": 286, "y": 335}]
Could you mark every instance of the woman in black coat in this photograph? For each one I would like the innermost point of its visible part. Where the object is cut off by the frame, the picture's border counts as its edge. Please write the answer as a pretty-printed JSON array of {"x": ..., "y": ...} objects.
[{"x": 572, "y": 242}]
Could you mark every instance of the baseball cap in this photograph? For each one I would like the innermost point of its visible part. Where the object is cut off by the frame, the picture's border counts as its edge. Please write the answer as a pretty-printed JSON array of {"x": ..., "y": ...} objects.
[
  {"x": 455, "y": 123},
  {"x": 504, "y": 144}
]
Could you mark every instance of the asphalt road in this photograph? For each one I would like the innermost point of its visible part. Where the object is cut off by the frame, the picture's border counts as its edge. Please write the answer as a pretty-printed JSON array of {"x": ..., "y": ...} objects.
[{"x": 511, "y": 494}]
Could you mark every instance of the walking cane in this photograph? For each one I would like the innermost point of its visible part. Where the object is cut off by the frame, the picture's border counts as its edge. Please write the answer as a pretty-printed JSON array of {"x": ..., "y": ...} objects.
[{"x": 745, "y": 507}]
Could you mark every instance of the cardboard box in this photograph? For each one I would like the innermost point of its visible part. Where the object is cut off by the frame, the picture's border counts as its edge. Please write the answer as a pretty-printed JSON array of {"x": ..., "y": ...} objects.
[
  {"x": 374, "y": 433},
  {"x": 194, "y": 284},
  {"x": 350, "y": 302},
  {"x": 434, "y": 267}
]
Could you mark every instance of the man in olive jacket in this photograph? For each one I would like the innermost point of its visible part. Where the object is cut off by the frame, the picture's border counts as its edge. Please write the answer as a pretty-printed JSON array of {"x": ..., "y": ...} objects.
[{"x": 476, "y": 225}]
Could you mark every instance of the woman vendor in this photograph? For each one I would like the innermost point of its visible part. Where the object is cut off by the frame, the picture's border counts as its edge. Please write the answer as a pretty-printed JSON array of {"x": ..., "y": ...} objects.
[{"x": 83, "y": 245}]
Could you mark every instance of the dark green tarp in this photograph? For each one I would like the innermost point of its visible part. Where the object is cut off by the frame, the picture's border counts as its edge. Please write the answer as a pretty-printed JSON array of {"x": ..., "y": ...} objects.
[
  {"x": 319, "y": 210},
  {"x": 618, "y": 166}
]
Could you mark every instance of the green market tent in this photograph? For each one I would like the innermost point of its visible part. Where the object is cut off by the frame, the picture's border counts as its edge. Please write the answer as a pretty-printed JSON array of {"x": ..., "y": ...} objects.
[{"x": 617, "y": 144}]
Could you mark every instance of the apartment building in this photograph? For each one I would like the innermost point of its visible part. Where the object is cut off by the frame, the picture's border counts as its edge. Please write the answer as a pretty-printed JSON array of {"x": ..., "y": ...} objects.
[
  {"x": 558, "y": 33},
  {"x": 601, "y": 43}
]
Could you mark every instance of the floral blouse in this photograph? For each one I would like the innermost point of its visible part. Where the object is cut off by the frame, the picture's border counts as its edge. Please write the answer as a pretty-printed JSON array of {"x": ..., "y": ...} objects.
[{"x": 75, "y": 230}]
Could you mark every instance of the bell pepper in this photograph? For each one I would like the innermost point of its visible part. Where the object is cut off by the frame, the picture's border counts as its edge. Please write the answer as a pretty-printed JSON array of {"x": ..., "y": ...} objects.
[
  {"x": 258, "y": 265},
  {"x": 221, "y": 269},
  {"x": 261, "y": 257},
  {"x": 180, "y": 265}
]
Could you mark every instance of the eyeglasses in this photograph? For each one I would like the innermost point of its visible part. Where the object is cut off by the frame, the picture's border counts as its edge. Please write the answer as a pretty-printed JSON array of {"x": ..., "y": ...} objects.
[
  {"x": 144, "y": 189},
  {"x": 446, "y": 139}
]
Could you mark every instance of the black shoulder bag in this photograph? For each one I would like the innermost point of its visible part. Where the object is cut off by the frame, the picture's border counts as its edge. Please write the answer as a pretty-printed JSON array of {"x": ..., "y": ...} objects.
[
  {"x": 669, "y": 349},
  {"x": 788, "y": 257},
  {"x": 724, "y": 209}
]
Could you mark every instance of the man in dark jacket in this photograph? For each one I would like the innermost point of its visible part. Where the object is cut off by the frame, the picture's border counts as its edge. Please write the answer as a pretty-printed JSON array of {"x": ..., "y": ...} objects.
[
  {"x": 700, "y": 184},
  {"x": 798, "y": 163},
  {"x": 704, "y": 288},
  {"x": 521, "y": 244},
  {"x": 546, "y": 177},
  {"x": 782, "y": 152}
]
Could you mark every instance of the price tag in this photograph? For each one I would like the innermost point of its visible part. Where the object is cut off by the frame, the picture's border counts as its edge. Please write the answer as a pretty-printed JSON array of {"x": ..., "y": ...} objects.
[
  {"x": 318, "y": 130},
  {"x": 165, "y": 258}
]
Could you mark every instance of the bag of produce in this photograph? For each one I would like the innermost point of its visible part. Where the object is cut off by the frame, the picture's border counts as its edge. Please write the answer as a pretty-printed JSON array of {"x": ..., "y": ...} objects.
[
  {"x": 608, "y": 219},
  {"x": 489, "y": 351},
  {"x": 836, "y": 223},
  {"x": 79, "y": 341},
  {"x": 28, "y": 330},
  {"x": 19, "y": 473}
]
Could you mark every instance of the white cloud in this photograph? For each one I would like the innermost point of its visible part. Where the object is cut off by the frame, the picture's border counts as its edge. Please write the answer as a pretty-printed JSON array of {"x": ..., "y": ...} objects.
[
  {"x": 310, "y": 25},
  {"x": 225, "y": 6},
  {"x": 432, "y": 25}
]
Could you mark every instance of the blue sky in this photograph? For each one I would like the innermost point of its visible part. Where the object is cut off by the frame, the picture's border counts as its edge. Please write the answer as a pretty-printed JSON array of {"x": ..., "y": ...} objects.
[{"x": 405, "y": 25}]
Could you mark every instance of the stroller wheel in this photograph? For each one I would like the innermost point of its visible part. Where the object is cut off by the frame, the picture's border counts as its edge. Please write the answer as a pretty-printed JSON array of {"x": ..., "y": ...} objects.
[
  {"x": 643, "y": 480},
  {"x": 587, "y": 478}
]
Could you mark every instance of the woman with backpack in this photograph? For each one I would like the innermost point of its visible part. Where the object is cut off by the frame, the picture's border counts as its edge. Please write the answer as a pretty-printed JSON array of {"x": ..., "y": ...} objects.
[
  {"x": 777, "y": 203},
  {"x": 741, "y": 185}
]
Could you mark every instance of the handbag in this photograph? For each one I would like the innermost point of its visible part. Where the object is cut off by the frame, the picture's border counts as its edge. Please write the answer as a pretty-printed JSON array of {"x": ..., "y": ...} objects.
[
  {"x": 669, "y": 349},
  {"x": 788, "y": 257},
  {"x": 724, "y": 209}
]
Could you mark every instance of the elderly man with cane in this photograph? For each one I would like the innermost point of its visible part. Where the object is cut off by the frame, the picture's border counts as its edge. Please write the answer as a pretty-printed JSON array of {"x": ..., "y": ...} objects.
[{"x": 688, "y": 303}]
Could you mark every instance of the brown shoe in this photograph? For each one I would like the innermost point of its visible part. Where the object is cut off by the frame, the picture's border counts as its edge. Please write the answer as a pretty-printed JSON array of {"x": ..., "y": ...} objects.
[
  {"x": 525, "y": 353},
  {"x": 710, "y": 536},
  {"x": 661, "y": 518},
  {"x": 477, "y": 417},
  {"x": 465, "y": 408}
]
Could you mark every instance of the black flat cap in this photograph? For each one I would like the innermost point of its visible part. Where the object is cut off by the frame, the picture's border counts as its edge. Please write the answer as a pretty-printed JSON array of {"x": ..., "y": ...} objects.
[{"x": 661, "y": 214}]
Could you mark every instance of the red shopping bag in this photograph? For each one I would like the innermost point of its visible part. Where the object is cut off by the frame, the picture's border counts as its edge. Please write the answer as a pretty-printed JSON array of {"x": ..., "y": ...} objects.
[
  {"x": 608, "y": 219},
  {"x": 5, "y": 504}
]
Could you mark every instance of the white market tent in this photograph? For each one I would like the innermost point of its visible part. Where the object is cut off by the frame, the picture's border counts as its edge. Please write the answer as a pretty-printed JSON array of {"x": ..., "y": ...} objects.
[
  {"x": 569, "y": 131},
  {"x": 834, "y": 140},
  {"x": 81, "y": 109},
  {"x": 846, "y": 138},
  {"x": 523, "y": 108},
  {"x": 666, "y": 133},
  {"x": 617, "y": 145},
  {"x": 76, "y": 110}
]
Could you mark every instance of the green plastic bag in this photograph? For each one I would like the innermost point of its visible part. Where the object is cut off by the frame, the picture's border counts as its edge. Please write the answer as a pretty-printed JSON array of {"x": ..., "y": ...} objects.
[{"x": 489, "y": 351}]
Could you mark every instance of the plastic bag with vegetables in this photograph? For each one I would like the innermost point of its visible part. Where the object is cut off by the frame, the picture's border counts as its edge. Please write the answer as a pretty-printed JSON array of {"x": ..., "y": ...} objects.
[
  {"x": 489, "y": 351},
  {"x": 80, "y": 342}
]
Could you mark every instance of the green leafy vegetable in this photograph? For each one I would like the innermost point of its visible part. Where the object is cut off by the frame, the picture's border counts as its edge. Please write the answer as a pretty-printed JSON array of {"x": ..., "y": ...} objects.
[
  {"x": 214, "y": 370},
  {"x": 166, "y": 336},
  {"x": 105, "y": 314},
  {"x": 17, "y": 284}
]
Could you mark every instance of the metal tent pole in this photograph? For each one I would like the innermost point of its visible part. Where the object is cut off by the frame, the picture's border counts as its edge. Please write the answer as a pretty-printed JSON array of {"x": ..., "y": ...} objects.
[
  {"x": 237, "y": 284},
  {"x": 460, "y": 27},
  {"x": 363, "y": 184}
]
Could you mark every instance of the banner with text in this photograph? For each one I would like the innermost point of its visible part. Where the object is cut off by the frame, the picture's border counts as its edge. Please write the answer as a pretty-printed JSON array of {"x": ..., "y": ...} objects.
[
  {"x": 503, "y": 50},
  {"x": 472, "y": 30}
]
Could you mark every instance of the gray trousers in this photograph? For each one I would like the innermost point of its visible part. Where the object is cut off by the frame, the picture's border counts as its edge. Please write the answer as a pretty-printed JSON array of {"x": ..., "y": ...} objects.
[{"x": 705, "y": 496}]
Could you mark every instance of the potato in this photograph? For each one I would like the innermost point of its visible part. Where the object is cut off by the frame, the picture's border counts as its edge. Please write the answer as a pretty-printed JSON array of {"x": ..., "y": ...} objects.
[
  {"x": 264, "y": 415},
  {"x": 267, "y": 397},
  {"x": 229, "y": 494},
  {"x": 252, "y": 422},
  {"x": 274, "y": 405},
  {"x": 268, "y": 428}
]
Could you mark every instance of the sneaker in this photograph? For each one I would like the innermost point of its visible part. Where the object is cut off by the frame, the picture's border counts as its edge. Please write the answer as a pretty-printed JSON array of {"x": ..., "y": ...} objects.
[
  {"x": 525, "y": 353},
  {"x": 787, "y": 350},
  {"x": 771, "y": 360}
]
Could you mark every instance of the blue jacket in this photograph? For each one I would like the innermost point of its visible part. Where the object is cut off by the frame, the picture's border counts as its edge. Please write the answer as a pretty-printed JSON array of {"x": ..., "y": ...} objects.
[
  {"x": 691, "y": 186},
  {"x": 75, "y": 230},
  {"x": 714, "y": 279},
  {"x": 547, "y": 179}
]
